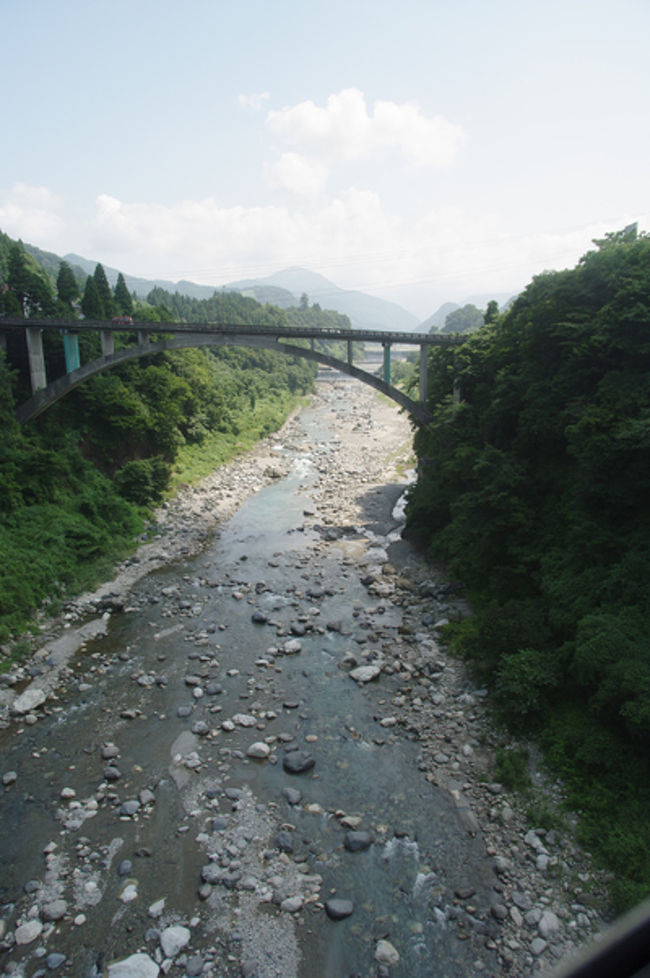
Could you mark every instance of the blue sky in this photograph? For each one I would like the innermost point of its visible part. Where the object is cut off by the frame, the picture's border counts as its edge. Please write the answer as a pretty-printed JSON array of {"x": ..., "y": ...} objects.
[{"x": 422, "y": 151}]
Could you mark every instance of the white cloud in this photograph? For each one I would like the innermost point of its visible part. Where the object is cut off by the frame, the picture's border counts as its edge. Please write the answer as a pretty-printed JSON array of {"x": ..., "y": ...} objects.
[
  {"x": 297, "y": 173},
  {"x": 32, "y": 213},
  {"x": 344, "y": 129},
  {"x": 254, "y": 101}
]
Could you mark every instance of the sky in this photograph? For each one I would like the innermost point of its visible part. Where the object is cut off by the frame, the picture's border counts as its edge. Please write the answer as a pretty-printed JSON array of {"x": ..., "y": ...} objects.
[{"x": 423, "y": 151}]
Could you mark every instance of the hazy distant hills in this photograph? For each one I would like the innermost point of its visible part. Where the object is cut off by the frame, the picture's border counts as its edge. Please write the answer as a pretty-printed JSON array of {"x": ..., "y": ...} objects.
[
  {"x": 283, "y": 289},
  {"x": 365, "y": 311}
]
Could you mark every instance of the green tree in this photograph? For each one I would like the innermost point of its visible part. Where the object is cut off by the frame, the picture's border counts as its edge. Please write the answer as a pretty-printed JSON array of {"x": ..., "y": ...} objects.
[
  {"x": 30, "y": 286},
  {"x": 463, "y": 320},
  {"x": 122, "y": 297},
  {"x": 67, "y": 286},
  {"x": 492, "y": 311},
  {"x": 91, "y": 302},
  {"x": 104, "y": 290}
]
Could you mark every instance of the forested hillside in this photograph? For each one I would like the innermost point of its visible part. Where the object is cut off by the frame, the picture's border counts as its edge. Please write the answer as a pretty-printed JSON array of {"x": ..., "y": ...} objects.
[
  {"x": 535, "y": 490},
  {"x": 78, "y": 483}
]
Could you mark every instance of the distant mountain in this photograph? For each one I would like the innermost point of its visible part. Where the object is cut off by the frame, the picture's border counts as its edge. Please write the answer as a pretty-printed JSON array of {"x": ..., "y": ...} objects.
[
  {"x": 143, "y": 286},
  {"x": 365, "y": 311},
  {"x": 437, "y": 320}
]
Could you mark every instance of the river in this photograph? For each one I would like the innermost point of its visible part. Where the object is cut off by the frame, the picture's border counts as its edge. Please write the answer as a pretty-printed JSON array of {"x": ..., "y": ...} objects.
[{"x": 215, "y": 785}]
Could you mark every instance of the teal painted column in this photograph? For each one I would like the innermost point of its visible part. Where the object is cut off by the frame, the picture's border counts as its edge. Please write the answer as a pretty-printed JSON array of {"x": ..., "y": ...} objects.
[
  {"x": 387, "y": 363},
  {"x": 71, "y": 350}
]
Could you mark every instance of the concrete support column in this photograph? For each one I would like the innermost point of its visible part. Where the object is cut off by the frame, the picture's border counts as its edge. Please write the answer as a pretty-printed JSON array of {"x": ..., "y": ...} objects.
[
  {"x": 424, "y": 367},
  {"x": 386, "y": 363},
  {"x": 34, "y": 337},
  {"x": 71, "y": 350},
  {"x": 312, "y": 343},
  {"x": 3, "y": 341},
  {"x": 350, "y": 355},
  {"x": 457, "y": 393},
  {"x": 108, "y": 342},
  {"x": 143, "y": 338}
]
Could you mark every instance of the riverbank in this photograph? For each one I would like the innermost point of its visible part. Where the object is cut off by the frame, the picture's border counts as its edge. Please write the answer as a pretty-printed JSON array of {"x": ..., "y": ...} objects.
[{"x": 544, "y": 897}]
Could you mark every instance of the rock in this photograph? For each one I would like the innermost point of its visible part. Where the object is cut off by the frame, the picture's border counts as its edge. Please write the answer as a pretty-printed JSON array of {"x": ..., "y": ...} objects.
[
  {"x": 292, "y": 795},
  {"x": 298, "y": 761},
  {"x": 54, "y": 910},
  {"x": 194, "y": 966},
  {"x": 55, "y": 960},
  {"x": 28, "y": 932},
  {"x": 365, "y": 674},
  {"x": 549, "y": 924},
  {"x": 129, "y": 808},
  {"x": 538, "y": 945},
  {"x": 28, "y": 701},
  {"x": 283, "y": 841},
  {"x": 357, "y": 841},
  {"x": 338, "y": 909},
  {"x": 128, "y": 892},
  {"x": 385, "y": 953},
  {"x": 173, "y": 939},
  {"x": 292, "y": 904},
  {"x": 10, "y": 777},
  {"x": 259, "y": 750},
  {"x": 137, "y": 966}
]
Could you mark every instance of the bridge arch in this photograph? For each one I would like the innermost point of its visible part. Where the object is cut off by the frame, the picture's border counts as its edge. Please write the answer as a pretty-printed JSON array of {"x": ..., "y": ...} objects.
[{"x": 54, "y": 391}]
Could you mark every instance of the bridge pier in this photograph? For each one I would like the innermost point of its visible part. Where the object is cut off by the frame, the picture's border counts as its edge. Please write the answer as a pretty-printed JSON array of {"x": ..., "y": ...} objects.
[
  {"x": 107, "y": 341},
  {"x": 34, "y": 337},
  {"x": 386, "y": 347},
  {"x": 143, "y": 337},
  {"x": 71, "y": 351},
  {"x": 424, "y": 367},
  {"x": 349, "y": 353}
]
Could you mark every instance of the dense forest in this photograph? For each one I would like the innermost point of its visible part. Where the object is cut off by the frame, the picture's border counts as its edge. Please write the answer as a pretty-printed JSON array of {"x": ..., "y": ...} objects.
[
  {"x": 534, "y": 489},
  {"x": 77, "y": 485}
]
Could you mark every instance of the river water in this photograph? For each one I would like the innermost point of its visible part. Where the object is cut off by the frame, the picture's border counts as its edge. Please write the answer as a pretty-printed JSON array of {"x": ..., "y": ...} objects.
[{"x": 243, "y": 644}]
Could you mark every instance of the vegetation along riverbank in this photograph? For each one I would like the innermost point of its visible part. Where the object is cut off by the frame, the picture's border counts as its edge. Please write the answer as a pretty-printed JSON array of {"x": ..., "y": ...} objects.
[{"x": 534, "y": 489}]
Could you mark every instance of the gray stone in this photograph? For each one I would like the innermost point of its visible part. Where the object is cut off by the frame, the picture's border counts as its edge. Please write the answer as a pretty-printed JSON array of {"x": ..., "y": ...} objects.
[
  {"x": 385, "y": 953},
  {"x": 357, "y": 841},
  {"x": 298, "y": 761},
  {"x": 173, "y": 939},
  {"x": 549, "y": 924},
  {"x": 365, "y": 674},
  {"x": 28, "y": 701},
  {"x": 338, "y": 909},
  {"x": 28, "y": 932},
  {"x": 259, "y": 750},
  {"x": 54, "y": 910},
  {"x": 130, "y": 807},
  {"x": 292, "y": 795},
  {"x": 136, "y": 966},
  {"x": 55, "y": 960}
]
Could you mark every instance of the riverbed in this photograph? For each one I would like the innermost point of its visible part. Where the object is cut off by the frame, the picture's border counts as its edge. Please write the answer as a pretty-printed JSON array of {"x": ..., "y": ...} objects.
[{"x": 249, "y": 753}]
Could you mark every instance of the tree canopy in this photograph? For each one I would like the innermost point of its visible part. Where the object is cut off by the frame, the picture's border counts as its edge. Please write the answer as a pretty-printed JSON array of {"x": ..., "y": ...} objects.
[{"x": 534, "y": 488}]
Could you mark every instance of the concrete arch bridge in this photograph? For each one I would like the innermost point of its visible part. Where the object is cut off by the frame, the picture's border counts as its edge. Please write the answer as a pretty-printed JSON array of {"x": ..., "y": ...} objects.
[{"x": 157, "y": 337}]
